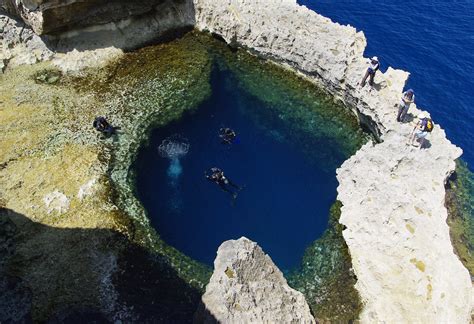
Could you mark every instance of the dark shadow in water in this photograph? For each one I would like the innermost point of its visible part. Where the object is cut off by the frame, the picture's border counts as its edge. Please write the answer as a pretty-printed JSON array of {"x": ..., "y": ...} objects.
[
  {"x": 65, "y": 265},
  {"x": 288, "y": 191}
]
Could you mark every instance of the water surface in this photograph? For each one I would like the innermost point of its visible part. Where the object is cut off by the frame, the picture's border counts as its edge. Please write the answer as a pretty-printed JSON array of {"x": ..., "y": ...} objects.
[
  {"x": 434, "y": 41},
  {"x": 288, "y": 175}
]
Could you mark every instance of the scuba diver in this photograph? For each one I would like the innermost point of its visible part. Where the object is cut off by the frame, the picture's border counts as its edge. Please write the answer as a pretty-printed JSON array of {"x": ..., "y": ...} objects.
[
  {"x": 227, "y": 135},
  {"x": 103, "y": 126},
  {"x": 217, "y": 176}
]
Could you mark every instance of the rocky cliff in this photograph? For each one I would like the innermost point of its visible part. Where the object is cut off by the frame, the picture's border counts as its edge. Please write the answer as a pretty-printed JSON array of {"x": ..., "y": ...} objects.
[
  {"x": 79, "y": 34},
  {"x": 247, "y": 287},
  {"x": 393, "y": 194},
  {"x": 52, "y": 16}
]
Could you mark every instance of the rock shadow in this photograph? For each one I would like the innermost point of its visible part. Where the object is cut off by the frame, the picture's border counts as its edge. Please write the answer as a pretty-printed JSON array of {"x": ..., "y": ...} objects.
[
  {"x": 409, "y": 118},
  {"x": 103, "y": 26},
  {"x": 377, "y": 86},
  {"x": 426, "y": 144},
  {"x": 55, "y": 275}
]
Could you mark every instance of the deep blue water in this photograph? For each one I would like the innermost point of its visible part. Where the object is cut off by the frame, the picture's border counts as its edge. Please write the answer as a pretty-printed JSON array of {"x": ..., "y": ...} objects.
[
  {"x": 434, "y": 40},
  {"x": 284, "y": 205}
]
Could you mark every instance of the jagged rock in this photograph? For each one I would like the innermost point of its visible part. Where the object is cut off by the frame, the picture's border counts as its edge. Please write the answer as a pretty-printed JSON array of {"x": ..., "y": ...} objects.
[
  {"x": 89, "y": 32},
  {"x": 20, "y": 45},
  {"x": 247, "y": 287},
  {"x": 393, "y": 194}
]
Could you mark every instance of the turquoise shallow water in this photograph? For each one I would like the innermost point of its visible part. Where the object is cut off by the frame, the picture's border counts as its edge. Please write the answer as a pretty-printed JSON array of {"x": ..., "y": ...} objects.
[
  {"x": 287, "y": 193},
  {"x": 432, "y": 39}
]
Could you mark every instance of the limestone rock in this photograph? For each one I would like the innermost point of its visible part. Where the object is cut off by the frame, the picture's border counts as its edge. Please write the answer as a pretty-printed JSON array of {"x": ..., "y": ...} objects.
[
  {"x": 88, "y": 33},
  {"x": 20, "y": 45},
  {"x": 56, "y": 201},
  {"x": 393, "y": 194},
  {"x": 46, "y": 16},
  {"x": 247, "y": 287}
]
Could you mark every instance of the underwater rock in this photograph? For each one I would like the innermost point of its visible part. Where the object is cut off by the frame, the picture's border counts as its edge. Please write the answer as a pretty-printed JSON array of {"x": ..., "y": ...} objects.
[
  {"x": 392, "y": 194},
  {"x": 247, "y": 287}
]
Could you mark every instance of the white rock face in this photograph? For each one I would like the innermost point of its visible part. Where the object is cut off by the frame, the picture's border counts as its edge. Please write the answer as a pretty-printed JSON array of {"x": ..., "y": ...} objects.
[
  {"x": 87, "y": 189},
  {"x": 56, "y": 201},
  {"x": 393, "y": 194},
  {"x": 247, "y": 287}
]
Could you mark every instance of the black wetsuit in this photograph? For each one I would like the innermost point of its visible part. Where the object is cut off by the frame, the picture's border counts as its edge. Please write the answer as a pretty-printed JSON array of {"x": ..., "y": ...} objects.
[
  {"x": 217, "y": 176},
  {"x": 101, "y": 124},
  {"x": 227, "y": 135}
]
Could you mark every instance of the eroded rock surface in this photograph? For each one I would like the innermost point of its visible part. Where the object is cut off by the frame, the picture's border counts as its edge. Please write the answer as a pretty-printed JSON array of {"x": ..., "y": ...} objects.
[
  {"x": 247, "y": 287},
  {"x": 393, "y": 194},
  {"x": 46, "y": 16},
  {"x": 86, "y": 34}
]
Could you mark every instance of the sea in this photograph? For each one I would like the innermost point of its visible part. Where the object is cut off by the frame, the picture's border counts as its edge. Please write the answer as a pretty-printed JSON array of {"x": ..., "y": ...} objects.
[{"x": 433, "y": 40}]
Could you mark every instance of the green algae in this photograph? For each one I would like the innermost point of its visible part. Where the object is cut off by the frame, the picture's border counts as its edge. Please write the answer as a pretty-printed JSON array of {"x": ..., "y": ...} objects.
[
  {"x": 317, "y": 123},
  {"x": 47, "y": 76},
  {"x": 326, "y": 277},
  {"x": 143, "y": 90},
  {"x": 460, "y": 205},
  {"x": 312, "y": 117},
  {"x": 59, "y": 150},
  {"x": 307, "y": 110}
]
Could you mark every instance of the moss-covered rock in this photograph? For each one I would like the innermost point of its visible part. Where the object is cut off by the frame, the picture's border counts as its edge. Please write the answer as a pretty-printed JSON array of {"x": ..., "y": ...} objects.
[
  {"x": 460, "y": 204},
  {"x": 326, "y": 277}
]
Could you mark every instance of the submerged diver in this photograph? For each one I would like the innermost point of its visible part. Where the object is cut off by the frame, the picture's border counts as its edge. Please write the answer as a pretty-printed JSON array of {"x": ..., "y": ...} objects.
[
  {"x": 103, "y": 126},
  {"x": 227, "y": 135},
  {"x": 217, "y": 176}
]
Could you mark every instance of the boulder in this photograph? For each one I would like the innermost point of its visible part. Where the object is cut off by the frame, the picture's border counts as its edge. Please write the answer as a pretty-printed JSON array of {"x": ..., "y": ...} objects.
[{"x": 247, "y": 287}]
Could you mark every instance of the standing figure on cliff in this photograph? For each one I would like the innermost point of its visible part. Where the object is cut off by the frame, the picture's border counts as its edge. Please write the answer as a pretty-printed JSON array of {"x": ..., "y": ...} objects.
[
  {"x": 421, "y": 130},
  {"x": 371, "y": 70},
  {"x": 408, "y": 97},
  {"x": 217, "y": 176}
]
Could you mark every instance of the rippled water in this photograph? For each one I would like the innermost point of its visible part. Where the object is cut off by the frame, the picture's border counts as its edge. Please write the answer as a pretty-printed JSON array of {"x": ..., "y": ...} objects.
[{"x": 434, "y": 40}]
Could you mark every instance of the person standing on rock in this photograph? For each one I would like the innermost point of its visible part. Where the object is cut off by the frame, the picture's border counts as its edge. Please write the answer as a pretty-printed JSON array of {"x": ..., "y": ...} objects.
[
  {"x": 408, "y": 97},
  {"x": 371, "y": 70},
  {"x": 421, "y": 130}
]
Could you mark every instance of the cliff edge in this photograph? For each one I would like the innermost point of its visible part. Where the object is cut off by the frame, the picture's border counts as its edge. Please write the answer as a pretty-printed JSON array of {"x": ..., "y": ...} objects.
[{"x": 393, "y": 194}]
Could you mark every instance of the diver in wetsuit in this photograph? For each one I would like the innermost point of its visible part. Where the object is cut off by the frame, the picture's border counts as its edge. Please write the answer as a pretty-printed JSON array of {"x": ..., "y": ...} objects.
[
  {"x": 217, "y": 176},
  {"x": 103, "y": 126},
  {"x": 227, "y": 135}
]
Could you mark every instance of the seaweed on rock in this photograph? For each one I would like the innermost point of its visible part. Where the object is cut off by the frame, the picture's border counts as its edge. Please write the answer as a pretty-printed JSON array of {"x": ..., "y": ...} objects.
[
  {"x": 326, "y": 277},
  {"x": 460, "y": 205}
]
